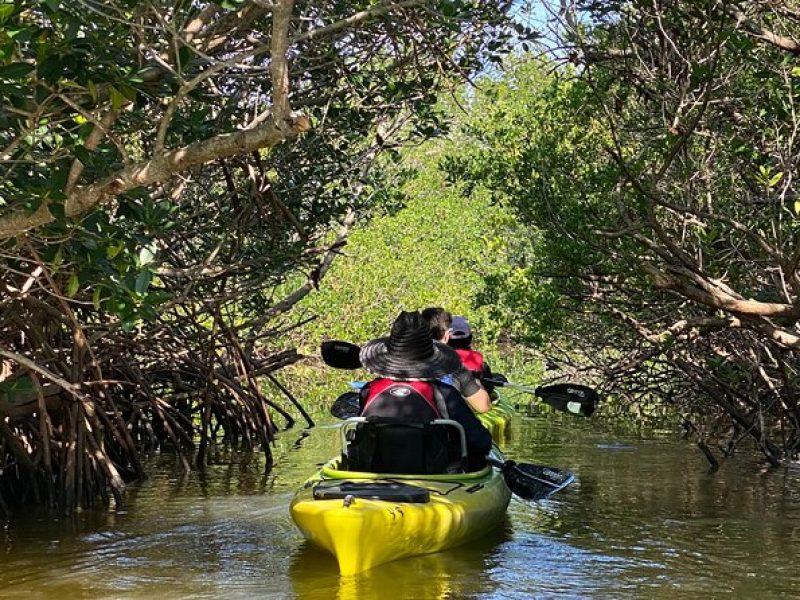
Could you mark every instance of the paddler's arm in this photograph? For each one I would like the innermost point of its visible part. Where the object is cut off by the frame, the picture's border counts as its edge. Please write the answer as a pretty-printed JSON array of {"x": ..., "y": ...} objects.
[{"x": 472, "y": 390}]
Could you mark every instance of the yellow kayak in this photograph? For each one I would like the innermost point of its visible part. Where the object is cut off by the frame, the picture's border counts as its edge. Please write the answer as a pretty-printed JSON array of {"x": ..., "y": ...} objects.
[
  {"x": 418, "y": 514},
  {"x": 367, "y": 519},
  {"x": 498, "y": 419}
]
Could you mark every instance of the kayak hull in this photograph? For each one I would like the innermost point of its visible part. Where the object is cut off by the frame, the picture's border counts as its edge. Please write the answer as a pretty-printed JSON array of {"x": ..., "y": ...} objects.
[
  {"x": 363, "y": 533},
  {"x": 498, "y": 419}
]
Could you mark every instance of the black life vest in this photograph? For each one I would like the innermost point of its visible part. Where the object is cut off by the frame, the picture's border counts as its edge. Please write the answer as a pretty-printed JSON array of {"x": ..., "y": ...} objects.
[{"x": 398, "y": 437}]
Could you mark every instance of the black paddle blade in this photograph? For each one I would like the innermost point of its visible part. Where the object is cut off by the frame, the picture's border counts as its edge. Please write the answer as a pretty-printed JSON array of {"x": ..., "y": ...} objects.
[
  {"x": 535, "y": 482},
  {"x": 346, "y": 406},
  {"x": 570, "y": 397},
  {"x": 341, "y": 355}
]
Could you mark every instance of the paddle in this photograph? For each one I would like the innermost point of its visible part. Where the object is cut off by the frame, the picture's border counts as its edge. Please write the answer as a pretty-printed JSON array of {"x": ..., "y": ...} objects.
[
  {"x": 346, "y": 406},
  {"x": 532, "y": 482},
  {"x": 528, "y": 481},
  {"x": 341, "y": 355},
  {"x": 567, "y": 397}
]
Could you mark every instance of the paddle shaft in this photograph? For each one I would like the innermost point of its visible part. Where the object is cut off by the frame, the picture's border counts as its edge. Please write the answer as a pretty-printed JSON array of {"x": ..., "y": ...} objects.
[
  {"x": 516, "y": 386},
  {"x": 573, "y": 398}
]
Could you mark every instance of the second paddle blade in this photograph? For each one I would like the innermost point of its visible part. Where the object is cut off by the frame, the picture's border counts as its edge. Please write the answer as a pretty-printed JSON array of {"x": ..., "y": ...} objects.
[
  {"x": 341, "y": 355},
  {"x": 570, "y": 397},
  {"x": 535, "y": 482}
]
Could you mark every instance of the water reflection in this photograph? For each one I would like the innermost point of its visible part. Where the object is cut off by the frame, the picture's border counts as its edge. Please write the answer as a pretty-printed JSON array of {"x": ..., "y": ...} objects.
[
  {"x": 460, "y": 573},
  {"x": 644, "y": 519}
]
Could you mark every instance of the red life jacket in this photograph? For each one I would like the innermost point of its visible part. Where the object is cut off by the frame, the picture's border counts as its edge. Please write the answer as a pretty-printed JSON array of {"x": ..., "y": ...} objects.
[
  {"x": 472, "y": 359},
  {"x": 399, "y": 390}
]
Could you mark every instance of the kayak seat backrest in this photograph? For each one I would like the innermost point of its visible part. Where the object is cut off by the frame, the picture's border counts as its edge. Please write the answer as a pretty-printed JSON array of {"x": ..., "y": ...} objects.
[{"x": 382, "y": 445}]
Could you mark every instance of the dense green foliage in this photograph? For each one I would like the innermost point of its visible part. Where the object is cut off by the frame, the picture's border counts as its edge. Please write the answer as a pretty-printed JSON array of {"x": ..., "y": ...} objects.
[
  {"x": 657, "y": 182},
  {"x": 165, "y": 169},
  {"x": 437, "y": 249},
  {"x": 432, "y": 248}
]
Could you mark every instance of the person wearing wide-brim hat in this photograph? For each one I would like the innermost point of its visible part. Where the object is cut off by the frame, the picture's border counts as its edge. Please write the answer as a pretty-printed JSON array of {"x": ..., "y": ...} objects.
[
  {"x": 410, "y": 366},
  {"x": 409, "y": 353}
]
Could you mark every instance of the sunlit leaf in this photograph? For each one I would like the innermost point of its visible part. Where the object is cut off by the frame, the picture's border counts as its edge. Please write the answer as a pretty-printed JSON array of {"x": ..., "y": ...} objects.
[
  {"x": 72, "y": 285},
  {"x": 146, "y": 255}
]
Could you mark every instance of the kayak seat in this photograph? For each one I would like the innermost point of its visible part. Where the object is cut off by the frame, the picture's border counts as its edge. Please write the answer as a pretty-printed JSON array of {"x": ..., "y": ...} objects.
[{"x": 384, "y": 445}]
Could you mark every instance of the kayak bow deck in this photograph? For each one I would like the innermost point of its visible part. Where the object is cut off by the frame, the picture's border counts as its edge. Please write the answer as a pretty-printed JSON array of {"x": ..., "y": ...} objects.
[
  {"x": 361, "y": 532},
  {"x": 367, "y": 519}
]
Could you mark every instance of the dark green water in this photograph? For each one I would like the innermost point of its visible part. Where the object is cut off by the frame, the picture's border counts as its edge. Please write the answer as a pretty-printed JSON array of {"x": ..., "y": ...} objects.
[{"x": 643, "y": 520}]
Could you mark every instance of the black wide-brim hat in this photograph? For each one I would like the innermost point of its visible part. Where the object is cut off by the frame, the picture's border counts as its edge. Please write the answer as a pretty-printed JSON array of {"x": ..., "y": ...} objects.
[{"x": 409, "y": 353}]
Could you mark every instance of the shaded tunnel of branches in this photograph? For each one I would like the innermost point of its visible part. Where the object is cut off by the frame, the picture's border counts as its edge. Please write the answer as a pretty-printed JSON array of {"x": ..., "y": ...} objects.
[
  {"x": 174, "y": 178},
  {"x": 83, "y": 395}
]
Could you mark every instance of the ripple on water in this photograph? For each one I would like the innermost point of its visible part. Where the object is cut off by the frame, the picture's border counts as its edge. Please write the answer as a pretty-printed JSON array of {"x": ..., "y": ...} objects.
[{"x": 649, "y": 523}]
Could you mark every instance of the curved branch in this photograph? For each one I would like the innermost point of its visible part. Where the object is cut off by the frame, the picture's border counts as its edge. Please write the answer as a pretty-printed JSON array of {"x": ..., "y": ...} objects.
[
  {"x": 779, "y": 41},
  {"x": 720, "y": 300},
  {"x": 155, "y": 170},
  {"x": 377, "y": 10}
]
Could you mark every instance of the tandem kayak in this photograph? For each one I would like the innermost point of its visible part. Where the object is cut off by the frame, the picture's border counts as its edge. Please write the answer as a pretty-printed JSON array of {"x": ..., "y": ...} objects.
[{"x": 367, "y": 519}]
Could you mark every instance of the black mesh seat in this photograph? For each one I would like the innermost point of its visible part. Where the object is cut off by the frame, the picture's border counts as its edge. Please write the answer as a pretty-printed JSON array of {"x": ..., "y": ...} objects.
[{"x": 380, "y": 445}]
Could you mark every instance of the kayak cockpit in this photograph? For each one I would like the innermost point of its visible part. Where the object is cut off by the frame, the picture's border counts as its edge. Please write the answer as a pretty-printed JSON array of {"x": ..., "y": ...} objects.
[{"x": 385, "y": 445}]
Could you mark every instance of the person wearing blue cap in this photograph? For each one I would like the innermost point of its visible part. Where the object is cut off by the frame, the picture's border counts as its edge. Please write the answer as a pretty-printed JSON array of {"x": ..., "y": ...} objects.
[{"x": 441, "y": 325}]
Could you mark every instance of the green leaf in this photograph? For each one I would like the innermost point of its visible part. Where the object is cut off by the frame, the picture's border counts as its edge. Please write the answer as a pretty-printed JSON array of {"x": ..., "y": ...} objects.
[
  {"x": 58, "y": 258},
  {"x": 6, "y": 10},
  {"x": 96, "y": 297},
  {"x": 775, "y": 179},
  {"x": 82, "y": 154},
  {"x": 92, "y": 90},
  {"x": 53, "y": 5},
  {"x": 13, "y": 32},
  {"x": 17, "y": 70},
  {"x": 50, "y": 68},
  {"x": 142, "y": 282},
  {"x": 184, "y": 56},
  {"x": 32, "y": 204},
  {"x": 57, "y": 210},
  {"x": 447, "y": 8},
  {"x": 112, "y": 251},
  {"x": 20, "y": 385},
  {"x": 72, "y": 285},
  {"x": 128, "y": 92},
  {"x": 117, "y": 98}
]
